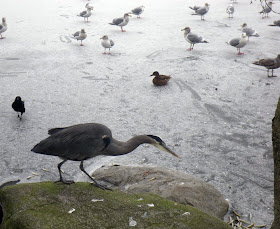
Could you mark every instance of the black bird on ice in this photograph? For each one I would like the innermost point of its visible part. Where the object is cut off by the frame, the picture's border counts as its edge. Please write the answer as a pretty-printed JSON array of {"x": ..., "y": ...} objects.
[
  {"x": 18, "y": 106},
  {"x": 84, "y": 141}
]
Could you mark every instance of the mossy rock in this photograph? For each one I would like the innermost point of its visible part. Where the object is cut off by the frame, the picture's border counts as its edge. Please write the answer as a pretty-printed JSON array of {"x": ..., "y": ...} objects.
[{"x": 47, "y": 205}]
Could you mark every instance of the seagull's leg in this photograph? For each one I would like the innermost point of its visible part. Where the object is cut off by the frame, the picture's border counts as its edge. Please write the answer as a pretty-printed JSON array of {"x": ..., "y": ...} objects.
[
  {"x": 109, "y": 51},
  {"x": 96, "y": 184},
  {"x": 1, "y": 36},
  {"x": 82, "y": 43},
  {"x": 189, "y": 49},
  {"x": 60, "y": 175},
  {"x": 122, "y": 29},
  {"x": 104, "y": 51},
  {"x": 239, "y": 53}
]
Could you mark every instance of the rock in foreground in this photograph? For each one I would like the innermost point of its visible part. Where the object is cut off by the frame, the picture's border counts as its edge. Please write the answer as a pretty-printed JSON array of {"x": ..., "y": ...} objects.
[
  {"x": 170, "y": 184},
  {"x": 81, "y": 205}
]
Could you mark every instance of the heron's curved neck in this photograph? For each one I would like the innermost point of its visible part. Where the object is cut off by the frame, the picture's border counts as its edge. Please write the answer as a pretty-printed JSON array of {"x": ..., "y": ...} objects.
[{"x": 119, "y": 148}]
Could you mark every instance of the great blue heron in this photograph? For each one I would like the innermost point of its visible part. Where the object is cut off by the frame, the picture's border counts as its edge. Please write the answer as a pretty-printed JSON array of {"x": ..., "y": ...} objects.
[
  {"x": 83, "y": 141},
  {"x": 18, "y": 106}
]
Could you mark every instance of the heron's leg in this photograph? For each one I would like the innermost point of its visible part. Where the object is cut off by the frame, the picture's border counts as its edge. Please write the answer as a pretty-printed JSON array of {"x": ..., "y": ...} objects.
[
  {"x": 98, "y": 185},
  {"x": 60, "y": 175}
]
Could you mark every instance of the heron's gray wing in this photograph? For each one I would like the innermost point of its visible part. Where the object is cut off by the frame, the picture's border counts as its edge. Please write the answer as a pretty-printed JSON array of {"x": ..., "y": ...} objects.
[
  {"x": 234, "y": 41},
  {"x": 78, "y": 142},
  {"x": 194, "y": 38},
  {"x": 83, "y": 13},
  {"x": 1, "y": 26},
  {"x": 54, "y": 130},
  {"x": 118, "y": 21}
]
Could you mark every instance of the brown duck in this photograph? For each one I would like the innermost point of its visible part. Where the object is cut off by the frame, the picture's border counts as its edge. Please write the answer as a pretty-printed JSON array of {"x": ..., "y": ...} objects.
[{"x": 160, "y": 80}]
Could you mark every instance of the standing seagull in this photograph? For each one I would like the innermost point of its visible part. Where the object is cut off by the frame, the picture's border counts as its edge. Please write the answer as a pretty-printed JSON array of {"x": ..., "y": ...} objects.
[
  {"x": 18, "y": 106},
  {"x": 192, "y": 38},
  {"x": 106, "y": 43},
  {"x": 238, "y": 43},
  {"x": 230, "y": 10},
  {"x": 138, "y": 10},
  {"x": 249, "y": 31},
  {"x": 269, "y": 63},
  {"x": 121, "y": 21},
  {"x": 86, "y": 13},
  {"x": 3, "y": 27},
  {"x": 266, "y": 9},
  {"x": 201, "y": 10},
  {"x": 80, "y": 36},
  {"x": 85, "y": 141},
  {"x": 276, "y": 23}
]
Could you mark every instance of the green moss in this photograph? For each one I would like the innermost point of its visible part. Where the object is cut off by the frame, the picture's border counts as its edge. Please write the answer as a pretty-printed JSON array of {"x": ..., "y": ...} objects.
[{"x": 46, "y": 205}]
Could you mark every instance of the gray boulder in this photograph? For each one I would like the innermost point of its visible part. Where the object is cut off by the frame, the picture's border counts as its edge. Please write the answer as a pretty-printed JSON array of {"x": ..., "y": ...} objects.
[{"x": 173, "y": 185}]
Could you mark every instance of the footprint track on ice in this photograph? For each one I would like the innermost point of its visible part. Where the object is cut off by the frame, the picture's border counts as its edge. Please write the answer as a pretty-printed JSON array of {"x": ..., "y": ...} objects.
[{"x": 65, "y": 39}]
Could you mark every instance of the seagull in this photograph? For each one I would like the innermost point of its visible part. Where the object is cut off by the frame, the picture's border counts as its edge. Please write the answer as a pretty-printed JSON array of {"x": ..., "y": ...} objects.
[
  {"x": 201, "y": 10},
  {"x": 138, "y": 10},
  {"x": 238, "y": 42},
  {"x": 121, "y": 21},
  {"x": 249, "y": 31},
  {"x": 106, "y": 43},
  {"x": 80, "y": 36},
  {"x": 18, "y": 106},
  {"x": 266, "y": 9},
  {"x": 230, "y": 10},
  {"x": 192, "y": 38},
  {"x": 86, "y": 13},
  {"x": 3, "y": 27},
  {"x": 269, "y": 63},
  {"x": 276, "y": 23}
]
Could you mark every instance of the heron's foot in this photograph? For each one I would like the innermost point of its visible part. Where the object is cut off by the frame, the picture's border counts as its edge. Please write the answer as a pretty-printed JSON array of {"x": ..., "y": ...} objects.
[
  {"x": 240, "y": 53},
  {"x": 272, "y": 76},
  {"x": 65, "y": 181},
  {"x": 101, "y": 186},
  {"x": 2, "y": 37},
  {"x": 123, "y": 30}
]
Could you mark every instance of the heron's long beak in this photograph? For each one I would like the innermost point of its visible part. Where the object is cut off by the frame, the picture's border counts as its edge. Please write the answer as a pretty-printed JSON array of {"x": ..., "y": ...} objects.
[
  {"x": 182, "y": 29},
  {"x": 167, "y": 149}
]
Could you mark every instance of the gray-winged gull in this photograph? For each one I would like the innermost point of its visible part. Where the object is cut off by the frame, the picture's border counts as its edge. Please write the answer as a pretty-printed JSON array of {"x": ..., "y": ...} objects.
[
  {"x": 3, "y": 27},
  {"x": 86, "y": 13},
  {"x": 276, "y": 23},
  {"x": 121, "y": 21},
  {"x": 106, "y": 43},
  {"x": 266, "y": 9},
  {"x": 238, "y": 42},
  {"x": 249, "y": 31},
  {"x": 201, "y": 10},
  {"x": 230, "y": 10},
  {"x": 80, "y": 36},
  {"x": 192, "y": 38},
  {"x": 138, "y": 10},
  {"x": 269, "y": 63}
]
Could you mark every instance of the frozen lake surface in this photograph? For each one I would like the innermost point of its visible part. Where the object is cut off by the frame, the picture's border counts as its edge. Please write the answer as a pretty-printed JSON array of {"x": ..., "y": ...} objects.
[{"x": 215, "y": 112}]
